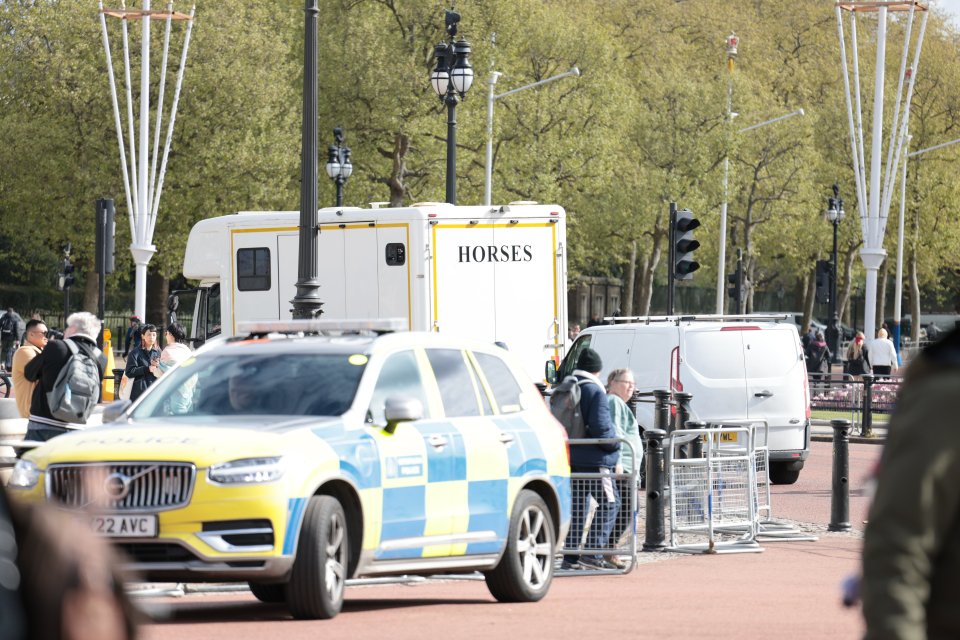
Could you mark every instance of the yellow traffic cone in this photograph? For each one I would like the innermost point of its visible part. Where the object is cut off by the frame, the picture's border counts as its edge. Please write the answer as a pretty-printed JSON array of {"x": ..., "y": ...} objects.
[{"x": 107, "y": 391}]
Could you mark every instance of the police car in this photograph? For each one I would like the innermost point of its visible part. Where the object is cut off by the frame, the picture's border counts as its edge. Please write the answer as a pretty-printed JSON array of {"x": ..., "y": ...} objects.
[{"x": 295, "y": 462}]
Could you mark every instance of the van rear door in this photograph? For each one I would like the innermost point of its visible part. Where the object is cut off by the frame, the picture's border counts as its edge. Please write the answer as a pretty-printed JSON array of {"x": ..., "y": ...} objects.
[
  {"x": 712, "y": 368},
  {"x": 775, "y": 385}
]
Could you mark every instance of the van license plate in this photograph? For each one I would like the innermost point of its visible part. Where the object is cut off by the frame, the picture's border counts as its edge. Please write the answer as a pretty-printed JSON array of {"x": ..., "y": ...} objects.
[
  {"x": 125, "y": 526},
  {"x": 728, "y": 437}
]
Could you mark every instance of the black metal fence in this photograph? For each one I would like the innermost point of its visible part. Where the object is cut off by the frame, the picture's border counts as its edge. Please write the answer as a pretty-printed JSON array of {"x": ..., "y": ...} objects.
[{"x": 860, "y": 397}]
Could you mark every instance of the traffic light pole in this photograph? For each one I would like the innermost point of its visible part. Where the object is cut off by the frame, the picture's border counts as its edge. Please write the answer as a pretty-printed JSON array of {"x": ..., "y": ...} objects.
[
  {"x": 671, "y": 259},
  {"x": 833, "y": 331}
]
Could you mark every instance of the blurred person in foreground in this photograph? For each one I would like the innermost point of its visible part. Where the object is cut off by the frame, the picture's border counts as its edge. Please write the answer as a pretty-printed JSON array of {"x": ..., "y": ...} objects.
[
  {"x": 82, "y": 328},
  {"x": 67, "y": 583},
  {"x": 911, "y": 553},
  {"x": 34, "y": 340}
]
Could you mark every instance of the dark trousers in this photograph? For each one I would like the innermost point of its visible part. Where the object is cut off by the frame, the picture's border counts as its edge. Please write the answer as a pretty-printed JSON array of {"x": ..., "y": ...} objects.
[
  {"x": 598, "y": 537},
  {"x": 880, "y": 370},
  {"x": 6, "y": 353},
  {"x": 40, "y": 432}
]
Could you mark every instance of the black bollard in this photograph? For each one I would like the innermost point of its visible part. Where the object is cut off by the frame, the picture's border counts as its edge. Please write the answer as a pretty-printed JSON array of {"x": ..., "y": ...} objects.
[
  {"x": 655, "y": 538},
  {"x": 696, "y": 447},
  {"x": 683, "y": 409},
  {"x": 840, "y": 490},
  {"x": 117, "y": 375},
  {"x": 661, "y": 410},
  {"x": 866, "y": 425}
]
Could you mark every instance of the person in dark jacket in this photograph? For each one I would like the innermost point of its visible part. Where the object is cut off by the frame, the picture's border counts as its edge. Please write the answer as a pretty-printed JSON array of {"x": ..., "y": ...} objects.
[
  {"x": 143, "y": 361},
  {"x": 82, "y": 328},
  {"x": 600, "y": 461}
]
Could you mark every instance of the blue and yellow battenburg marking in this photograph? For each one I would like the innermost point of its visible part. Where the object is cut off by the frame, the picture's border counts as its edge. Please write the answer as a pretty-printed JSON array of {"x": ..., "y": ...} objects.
[{"x": 467, "y": 486}]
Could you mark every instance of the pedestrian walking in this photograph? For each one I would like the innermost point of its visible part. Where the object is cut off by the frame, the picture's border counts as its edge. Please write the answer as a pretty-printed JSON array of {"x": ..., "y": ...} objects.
[
  {"x": 82, "y": 331},
  {"x": 34, "y": 339},
  {"x": 620, "y": 388},
  {"x": 881, "y": 355},
  {"x": 853, "y": 358},
  {"x": 11, "y": 329},
  {"x": 599, "y": 460},
  {"x": 132, "y": 340},
  {"x": 911, "y": 552},
  {"x": 818, "y": 357},
  {"x": 175, "y": 352},
  {"x": 143, "y": 361}
]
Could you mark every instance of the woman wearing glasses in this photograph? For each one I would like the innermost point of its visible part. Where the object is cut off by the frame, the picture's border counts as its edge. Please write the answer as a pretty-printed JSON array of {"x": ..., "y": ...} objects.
[{"x": 620, "y": 387}]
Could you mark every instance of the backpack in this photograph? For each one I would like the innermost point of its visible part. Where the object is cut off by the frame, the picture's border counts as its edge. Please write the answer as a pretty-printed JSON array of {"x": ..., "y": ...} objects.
[
  {"x": 8, "y": 327},
  {"x": 565, "y": 407},
  {"x": 77, "y": 388}
]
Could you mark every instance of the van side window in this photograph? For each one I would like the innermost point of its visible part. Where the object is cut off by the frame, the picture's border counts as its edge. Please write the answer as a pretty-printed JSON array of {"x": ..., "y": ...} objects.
[
  {"x": 253, "y": 269},
  {"x": 459, "y": 390},
  {"x": 570, "y": 362},
  {"x": 399, "y": 377},
  {"x": 506, "y": 390}
]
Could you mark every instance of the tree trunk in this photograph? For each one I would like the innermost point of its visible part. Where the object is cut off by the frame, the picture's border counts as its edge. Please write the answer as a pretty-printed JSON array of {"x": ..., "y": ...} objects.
[
  {"x": 398, "y": 188},
  {"x": 91, "y": 285},
  {"x": 809, "y": 288},
  {"x": 631, "y": 277},
  {"x": 158, "y": 288},
  {"x": 647, "y": 275},
  {"x": 914, "y": 299},
  {"x": 843, "y": 310}
]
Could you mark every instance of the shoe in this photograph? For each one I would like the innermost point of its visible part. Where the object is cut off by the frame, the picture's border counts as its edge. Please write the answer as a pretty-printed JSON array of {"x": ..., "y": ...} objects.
[
  {"x": 617, "y": 562},
  {"x": 570, "y": 566},
  {"x": 588, "y": 562}
]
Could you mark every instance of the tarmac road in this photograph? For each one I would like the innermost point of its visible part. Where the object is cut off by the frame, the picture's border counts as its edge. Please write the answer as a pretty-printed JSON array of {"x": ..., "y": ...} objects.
[{"x": 791, "y": 590}]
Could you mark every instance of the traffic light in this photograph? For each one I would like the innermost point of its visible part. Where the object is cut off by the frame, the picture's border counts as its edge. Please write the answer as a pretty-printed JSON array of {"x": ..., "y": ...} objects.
[
  {"x": 824, "y": 273},
  {"x": 684, "y": 245},
  {"x": 736, "y": 286},
  {"x": 68, "y": 278}
]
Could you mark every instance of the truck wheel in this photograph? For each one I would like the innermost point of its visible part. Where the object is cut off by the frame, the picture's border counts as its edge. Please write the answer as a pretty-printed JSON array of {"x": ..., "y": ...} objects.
[
  {"x": 319, "y": 571},
  {"x": 784, "y": 472},
  {"x": 268, "y": 593},
  {"x": 526, "y": 568}
]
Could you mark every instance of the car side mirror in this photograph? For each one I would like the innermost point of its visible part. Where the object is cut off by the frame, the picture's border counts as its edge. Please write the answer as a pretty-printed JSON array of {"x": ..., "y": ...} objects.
[
  {"x": 114, "y": 410},
  {"x": 550, "y": 371},
  {"x": 397, "y": 410}
]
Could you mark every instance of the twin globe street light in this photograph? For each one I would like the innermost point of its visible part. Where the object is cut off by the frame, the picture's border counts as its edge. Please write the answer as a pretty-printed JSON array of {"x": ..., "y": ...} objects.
[
  {"x": 339, "y": 166},
  {"x": 451, "y": 79}
]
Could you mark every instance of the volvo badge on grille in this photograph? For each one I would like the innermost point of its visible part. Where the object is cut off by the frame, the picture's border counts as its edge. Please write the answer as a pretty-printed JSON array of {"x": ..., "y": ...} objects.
[{"x": 117, "y": 486}]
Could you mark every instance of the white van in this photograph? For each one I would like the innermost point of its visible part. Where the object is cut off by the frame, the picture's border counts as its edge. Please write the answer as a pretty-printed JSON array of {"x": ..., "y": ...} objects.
[{"x": 736, "y": 368}]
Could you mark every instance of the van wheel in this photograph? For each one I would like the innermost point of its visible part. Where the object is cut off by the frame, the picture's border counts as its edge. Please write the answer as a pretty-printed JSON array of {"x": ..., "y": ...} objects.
[
  {"x": 319, "y": 572},
  {"x": 526, "y": 568},
  {"x": 783, "y": 473}
]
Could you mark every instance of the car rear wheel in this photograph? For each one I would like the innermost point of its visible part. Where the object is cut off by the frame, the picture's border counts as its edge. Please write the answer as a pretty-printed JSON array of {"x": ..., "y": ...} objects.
[
  {"x": 319, "y": 572},
  {"x": 784, "y": 472},
  {"x": 526, "y": 568},
  {"x": 269, "y": 593}
]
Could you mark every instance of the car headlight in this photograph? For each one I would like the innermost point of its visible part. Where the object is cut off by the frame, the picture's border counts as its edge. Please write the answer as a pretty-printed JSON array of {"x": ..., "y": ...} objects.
[
  {"x": 25, "y": 475},
  {"x": 247, "y": 471}
]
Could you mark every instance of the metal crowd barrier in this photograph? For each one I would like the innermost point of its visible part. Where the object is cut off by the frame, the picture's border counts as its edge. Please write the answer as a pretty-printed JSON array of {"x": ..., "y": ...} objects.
[
  {"x": 587, "y": 490},
  {"x": 714, "y": 496},
  {"x": 861, "y": 396}
]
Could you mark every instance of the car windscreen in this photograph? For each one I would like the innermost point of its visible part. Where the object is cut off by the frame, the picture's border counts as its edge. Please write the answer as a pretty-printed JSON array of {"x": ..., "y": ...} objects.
[{"x": 295, "y": 384}]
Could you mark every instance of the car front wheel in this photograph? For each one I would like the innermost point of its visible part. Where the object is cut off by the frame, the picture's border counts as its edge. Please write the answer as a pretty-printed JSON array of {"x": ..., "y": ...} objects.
[
  {"x": 319, "y": 572},
  {"x": 526, "y": 568}
]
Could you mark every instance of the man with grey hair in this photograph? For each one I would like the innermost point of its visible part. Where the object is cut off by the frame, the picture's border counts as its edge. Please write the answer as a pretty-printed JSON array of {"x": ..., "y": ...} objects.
[{"x": 83, "y": 329}]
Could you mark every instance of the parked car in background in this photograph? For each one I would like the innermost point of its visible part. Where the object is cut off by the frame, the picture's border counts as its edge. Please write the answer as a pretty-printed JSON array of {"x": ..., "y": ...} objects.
[{"x": 300, "y": 461}]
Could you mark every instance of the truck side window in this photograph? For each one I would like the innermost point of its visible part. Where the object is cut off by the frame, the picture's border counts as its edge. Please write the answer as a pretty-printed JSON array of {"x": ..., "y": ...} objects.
[
  {"x": 253, "y": 269},
  {"x": 395, "y": 254}
]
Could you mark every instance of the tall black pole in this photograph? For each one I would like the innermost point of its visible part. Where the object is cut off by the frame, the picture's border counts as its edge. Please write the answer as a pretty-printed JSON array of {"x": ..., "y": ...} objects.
[
  {"x": 833, "y": 331},
  {"x": 339, "y": 191},
  {"x": 306, "y": 304},
  {"x": 671, "y": 258},
  {"x": 451, "y": 101}
]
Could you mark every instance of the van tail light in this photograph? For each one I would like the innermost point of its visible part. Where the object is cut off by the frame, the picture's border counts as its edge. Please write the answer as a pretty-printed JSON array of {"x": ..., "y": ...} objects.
[{"x": 806, "y": 397}]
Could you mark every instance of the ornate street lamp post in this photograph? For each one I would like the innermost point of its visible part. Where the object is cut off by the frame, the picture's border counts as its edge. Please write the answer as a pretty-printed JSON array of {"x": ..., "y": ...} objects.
[
  {"x": 451, "y": 79},
  {"x": 834, "y": 214},
  {"x": 339, "y": 166}
]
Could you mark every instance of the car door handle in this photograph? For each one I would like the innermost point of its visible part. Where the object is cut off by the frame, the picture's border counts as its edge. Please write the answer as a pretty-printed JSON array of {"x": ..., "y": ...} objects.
[
  {"x": 506, "y": 438},
  {"x": 437, "y": 442},
  {"x": 763, "y": 394}
]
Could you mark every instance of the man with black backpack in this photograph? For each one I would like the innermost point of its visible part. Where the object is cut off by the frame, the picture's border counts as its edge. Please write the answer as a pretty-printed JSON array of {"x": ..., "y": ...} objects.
[
  {"x": 11, "y": 328},
  {"x": 70, "y": 374},
  {"x": 598, "y": 460}
]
